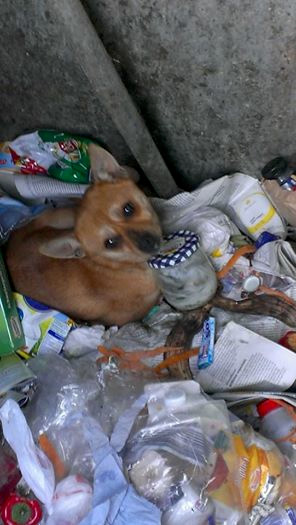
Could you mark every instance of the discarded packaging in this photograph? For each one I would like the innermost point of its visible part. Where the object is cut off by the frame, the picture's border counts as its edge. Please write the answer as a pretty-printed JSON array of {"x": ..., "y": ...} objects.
[
  {"x": 240, "y": 196},
  {"x": 17, "y": 381},
  {"x": 58, "y": 154},
  {"x": 186, "y": 456},
  {"x": 206, "y": 351},
  {"x": 72, "y": 500},
  {"x": 45, "y": 329},
  {"x": 285, "y": 202},
  {"x": 35, "y": 467},
  {"x": 278, "y": 422},
  {"x": 11, "y": 333},
  {"x": 278, "y": 169}
]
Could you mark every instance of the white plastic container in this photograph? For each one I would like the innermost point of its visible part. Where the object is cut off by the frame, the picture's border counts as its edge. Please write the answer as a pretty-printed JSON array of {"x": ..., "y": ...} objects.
[
  {"x": 250, "y": 208},
  {"x": 184, "y": 272},
  {"x": 276, "y": 424}
]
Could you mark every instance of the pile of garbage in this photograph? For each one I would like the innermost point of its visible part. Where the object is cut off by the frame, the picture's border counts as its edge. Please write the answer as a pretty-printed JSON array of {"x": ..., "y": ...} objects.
[{"x": 94, "y": 428}]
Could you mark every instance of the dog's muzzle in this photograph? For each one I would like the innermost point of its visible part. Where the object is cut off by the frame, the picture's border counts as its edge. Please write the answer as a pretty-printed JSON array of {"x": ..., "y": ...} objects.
[{"x": 147, "y": 242}]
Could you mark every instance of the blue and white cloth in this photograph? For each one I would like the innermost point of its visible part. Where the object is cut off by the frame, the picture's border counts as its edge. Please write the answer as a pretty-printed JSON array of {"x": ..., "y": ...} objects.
[
  {"x": 115, "y": 501},
  {"x": 177, "y": 247}
]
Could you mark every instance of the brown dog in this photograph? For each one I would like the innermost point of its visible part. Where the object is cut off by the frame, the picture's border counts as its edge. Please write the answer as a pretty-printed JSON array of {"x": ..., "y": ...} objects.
[{"x": 90, "y": 261}]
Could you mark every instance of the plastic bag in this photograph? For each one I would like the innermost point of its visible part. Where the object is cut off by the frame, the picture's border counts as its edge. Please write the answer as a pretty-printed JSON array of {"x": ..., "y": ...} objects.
[
  {"x": 278, "y": 257},
  {"x": 48, "y": 152},
  {"x": 182, "y": 434},
  {"x": 115, "y": 501},
  {"x": 240, "y": 196},
  {"x": 85, "y": 339},
  {"x": 213, "y": 227},
  {"x": 237, "y": 284},
  {"x": 185, "y": 455},
  {"x": 35, "y": 467},
  {"x": 72, "y": 500},
  {"x": 66, "y": 395},
  {"x": 14, "y": 213}
]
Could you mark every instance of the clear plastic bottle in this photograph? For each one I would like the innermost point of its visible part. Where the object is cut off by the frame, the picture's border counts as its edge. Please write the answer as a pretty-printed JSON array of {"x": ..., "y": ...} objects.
[
  {"x": 185, "y": 274},
  {"x": 279, "y": 425}
]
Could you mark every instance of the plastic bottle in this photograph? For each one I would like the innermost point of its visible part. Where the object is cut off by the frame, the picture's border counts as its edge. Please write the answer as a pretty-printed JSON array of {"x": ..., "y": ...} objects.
[
  {"x": 281, "y": 516},
  {"x": 276, "y": 424}
]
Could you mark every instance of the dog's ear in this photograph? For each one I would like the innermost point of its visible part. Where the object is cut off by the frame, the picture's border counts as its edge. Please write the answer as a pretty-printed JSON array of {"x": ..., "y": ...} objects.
[
  {"x": 132, "y": 174},
  {"x": 103, "y": 165},
  {"x": 63, "y": 246}
]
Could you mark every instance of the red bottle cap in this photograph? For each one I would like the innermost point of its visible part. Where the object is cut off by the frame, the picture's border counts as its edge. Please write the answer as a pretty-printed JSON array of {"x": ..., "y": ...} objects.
[
  {"x": 267, "y": 406},
  {"x": 17, "y": 510}
]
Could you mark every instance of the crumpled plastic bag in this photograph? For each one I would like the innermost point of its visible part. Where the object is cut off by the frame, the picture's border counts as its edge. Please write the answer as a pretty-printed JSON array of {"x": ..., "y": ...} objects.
[
  {"x": 65, "y": 396},
  {"x": 35, "y": 467},
  {"x": 85, "y": 339},
  {"x": 113, "y": 500},
  {"x": 278, "y": 257},
  {"x": 14, "y": 214},
  {"x": 72, "y": 500},
  {"x": 213, "y": 227}
]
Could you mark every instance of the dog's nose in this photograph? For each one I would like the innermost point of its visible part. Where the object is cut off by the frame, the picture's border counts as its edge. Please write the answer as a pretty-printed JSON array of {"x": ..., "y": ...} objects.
[{"x": 146, "y": 242}]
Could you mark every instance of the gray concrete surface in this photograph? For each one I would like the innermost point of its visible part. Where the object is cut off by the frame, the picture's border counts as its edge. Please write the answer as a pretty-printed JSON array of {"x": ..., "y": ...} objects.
[
  {"x": 42, "y": 82},
  {"x": 106, "y": 83},
  {"x": 213, "y": 79}
]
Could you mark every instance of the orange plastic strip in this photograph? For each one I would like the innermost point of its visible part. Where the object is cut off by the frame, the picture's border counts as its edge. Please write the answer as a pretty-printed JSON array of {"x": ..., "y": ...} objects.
[
  {"x": 132, "y": 360},
  {"x": 52, "y": 454},
  {"x": 174, "y": 359},
  {"x": 244, "y": 250}
]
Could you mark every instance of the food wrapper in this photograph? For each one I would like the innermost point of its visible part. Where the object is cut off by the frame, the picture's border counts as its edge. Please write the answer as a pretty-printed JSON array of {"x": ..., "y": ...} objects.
[
  {"x": 48, "y": 152},
  {"x": 45, "y": 329}
]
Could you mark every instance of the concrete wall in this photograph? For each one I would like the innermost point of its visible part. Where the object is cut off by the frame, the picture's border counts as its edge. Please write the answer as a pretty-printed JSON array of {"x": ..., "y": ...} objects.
[
  {"x": 214, "y": 79},
  {"x": 42, "y": 82}
]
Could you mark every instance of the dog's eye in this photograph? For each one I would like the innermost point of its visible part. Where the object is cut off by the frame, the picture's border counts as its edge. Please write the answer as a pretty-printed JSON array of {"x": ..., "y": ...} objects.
[
  {"x": 113, "y": 242},
  {"x": 128, "y": 209}
]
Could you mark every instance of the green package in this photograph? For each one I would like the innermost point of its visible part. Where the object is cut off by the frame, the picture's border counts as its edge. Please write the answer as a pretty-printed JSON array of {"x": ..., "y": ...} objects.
[
  {"x": 11, "y": 332},
  {"x": 71, "y": 152},
  {"x": 48, "y": 152}
]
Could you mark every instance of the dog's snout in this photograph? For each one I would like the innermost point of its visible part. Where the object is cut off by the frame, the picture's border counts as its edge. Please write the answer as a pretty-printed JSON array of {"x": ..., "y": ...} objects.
[{"x": 146, "y": 241}]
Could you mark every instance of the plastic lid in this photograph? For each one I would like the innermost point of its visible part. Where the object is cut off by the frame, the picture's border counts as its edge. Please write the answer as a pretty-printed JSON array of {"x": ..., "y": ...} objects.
[
  {"x": 274, "y": 168},
  {"x": 267, "y": 406},
  {"x": 174, "y": 398},
  {"x": 176, "y": 248},
  {"x": 251, "y": 283}
]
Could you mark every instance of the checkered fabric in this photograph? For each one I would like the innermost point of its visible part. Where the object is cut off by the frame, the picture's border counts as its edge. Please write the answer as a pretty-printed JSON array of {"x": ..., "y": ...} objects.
[{"x": 180, "y": 253}]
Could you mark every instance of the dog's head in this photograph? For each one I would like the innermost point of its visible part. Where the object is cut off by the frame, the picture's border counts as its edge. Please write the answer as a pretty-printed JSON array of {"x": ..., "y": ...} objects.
[{"x": 114, "y": 221}]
